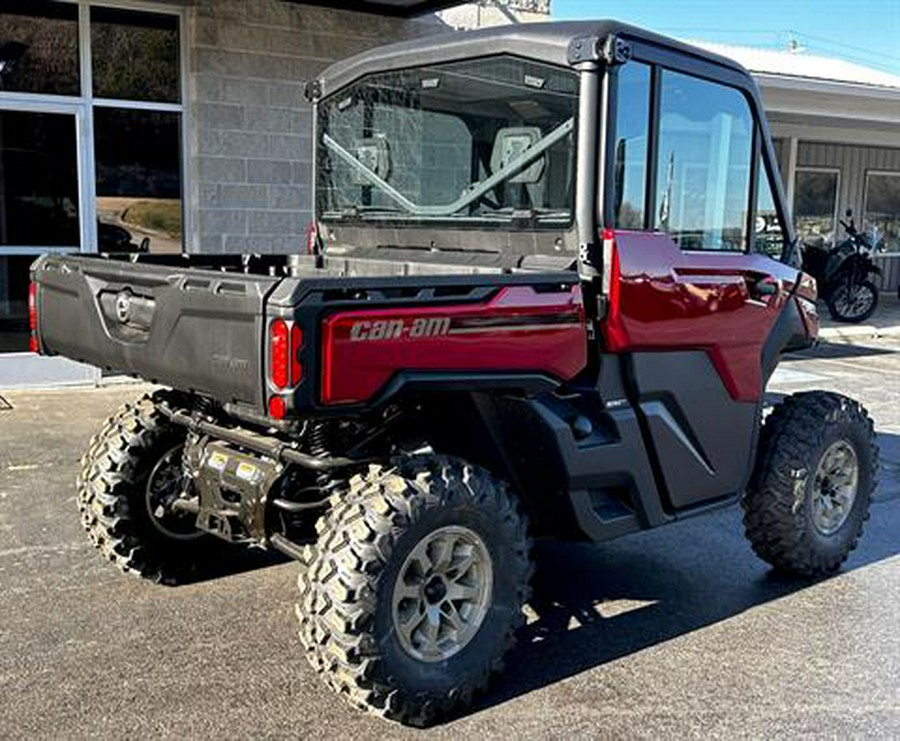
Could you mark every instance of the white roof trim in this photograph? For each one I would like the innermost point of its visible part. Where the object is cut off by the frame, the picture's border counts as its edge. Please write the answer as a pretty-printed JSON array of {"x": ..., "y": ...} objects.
[
  {"x": 801, "y": 66},
  {"x": 831, "y": 87}
]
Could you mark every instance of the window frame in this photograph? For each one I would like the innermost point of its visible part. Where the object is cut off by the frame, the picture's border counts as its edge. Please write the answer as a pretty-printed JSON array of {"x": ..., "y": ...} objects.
[
  {"x": 662, "y": 59},
  {"x": 836, "y": 214},
  {"x": 865, "y": 203},
  {"x": 771, "y": 171},
  {"x": 83, "y": 105}
]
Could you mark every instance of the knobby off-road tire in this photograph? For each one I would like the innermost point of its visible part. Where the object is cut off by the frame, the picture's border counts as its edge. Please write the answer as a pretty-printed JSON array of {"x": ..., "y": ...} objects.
[
  {"x": 370, "y": 546},
  {"x": 133, "y": 445},
  {"x": 810, "y": 493}
]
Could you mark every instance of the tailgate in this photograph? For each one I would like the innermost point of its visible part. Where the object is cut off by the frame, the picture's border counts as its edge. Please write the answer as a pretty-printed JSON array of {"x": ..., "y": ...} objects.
[{"x": 195, "y": 330}]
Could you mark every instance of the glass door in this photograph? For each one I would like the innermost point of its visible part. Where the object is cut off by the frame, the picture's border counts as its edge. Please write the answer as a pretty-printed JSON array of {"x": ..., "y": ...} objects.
[{"x": 40, "y": 204}]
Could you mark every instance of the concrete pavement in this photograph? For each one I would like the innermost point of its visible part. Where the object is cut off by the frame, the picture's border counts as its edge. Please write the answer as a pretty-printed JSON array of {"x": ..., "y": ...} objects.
[{"x": 676, "y": 632}]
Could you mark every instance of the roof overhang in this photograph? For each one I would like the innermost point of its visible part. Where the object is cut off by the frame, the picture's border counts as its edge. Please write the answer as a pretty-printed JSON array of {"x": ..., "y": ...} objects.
[
  {"x": 401, "y": 8},
  {"x": 827, "y": 99}
]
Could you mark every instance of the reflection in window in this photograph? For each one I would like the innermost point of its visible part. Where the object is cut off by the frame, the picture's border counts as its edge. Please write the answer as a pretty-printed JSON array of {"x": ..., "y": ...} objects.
[
  {"x": 135, "y": 55},
  {"x": 632, "y": 122},
  {"x": 815, "y": 205},
  {"x": 39, "y": 47},
  {"x": 14, "y": 303},
  {"x": 769, "y": 231},
  {"x": 882, "y": 216},
  {"x": 138, "y": 179},
  {"x": 38, "y": 180},
  {"x": 703, "y": 167}
]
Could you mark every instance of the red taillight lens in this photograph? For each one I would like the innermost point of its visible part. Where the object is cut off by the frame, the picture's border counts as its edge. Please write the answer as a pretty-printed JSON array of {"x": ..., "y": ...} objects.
[
  {"x": 33, "y": 344},
  {"x": 285, "y": 343},
  {"x": 32, "y": 307},
  {"x": 279, "y": 352},
  {"x": 296, "y": 345},
  {"x": 277, "y": 407}
]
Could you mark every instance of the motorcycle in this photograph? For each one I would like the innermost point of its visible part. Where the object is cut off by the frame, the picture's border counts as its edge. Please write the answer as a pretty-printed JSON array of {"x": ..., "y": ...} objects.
[{"x": 844, "y": 274}]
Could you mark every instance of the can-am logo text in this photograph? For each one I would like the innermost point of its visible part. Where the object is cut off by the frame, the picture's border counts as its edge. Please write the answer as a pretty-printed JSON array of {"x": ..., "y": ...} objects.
[{"x": 394, "y": 329}]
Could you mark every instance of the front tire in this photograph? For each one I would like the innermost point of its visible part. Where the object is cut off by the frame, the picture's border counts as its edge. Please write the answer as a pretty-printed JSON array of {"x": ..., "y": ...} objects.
[
  {"x": 413, "y": 593},
  {"x": 129, "y": 476},
  {"x": 809, "y": 496},
  {"x": 852, "y": 305}
]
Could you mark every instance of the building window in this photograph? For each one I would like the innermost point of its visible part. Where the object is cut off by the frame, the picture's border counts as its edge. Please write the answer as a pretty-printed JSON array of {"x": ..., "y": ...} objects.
[
  {"x": 703, "y": 165},
  {"x": 882, "y": 209},
  {"x": 60, "y": 187},
  {"x": 815, "y": 206},
  {"x": 138, "y": 179},
  {"x": 39, "y": 47},
  {"x": 135, "y": 55}
]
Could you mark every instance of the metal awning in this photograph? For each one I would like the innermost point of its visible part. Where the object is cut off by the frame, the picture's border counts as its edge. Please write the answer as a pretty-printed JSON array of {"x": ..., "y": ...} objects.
[{"x": 403, "y": 8}]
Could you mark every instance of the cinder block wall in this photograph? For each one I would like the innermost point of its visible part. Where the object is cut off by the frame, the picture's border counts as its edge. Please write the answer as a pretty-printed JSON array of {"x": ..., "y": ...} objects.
[{"x": 250, "y": 148}]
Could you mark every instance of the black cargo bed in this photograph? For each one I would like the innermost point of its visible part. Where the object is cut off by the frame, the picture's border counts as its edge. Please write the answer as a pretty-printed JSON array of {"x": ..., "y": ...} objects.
[{"x": 189, "y": 328}]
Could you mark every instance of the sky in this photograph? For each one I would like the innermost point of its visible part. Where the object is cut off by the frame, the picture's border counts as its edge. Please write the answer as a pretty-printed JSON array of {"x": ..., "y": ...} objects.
[{"x": 865, "y": 32}]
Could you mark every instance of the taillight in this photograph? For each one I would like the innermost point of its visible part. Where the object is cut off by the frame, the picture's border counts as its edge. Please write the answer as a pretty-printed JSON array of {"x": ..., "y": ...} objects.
[
  {"x": 279, "y": 352},
  {"x": 33, "y": 344},
  {"x": 285, "y": 367},
  {"x": 277, "y": 408}
]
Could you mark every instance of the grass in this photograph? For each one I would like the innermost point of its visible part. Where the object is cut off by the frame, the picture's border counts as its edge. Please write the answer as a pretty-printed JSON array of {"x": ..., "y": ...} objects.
[{"x": 159, "y": 215}]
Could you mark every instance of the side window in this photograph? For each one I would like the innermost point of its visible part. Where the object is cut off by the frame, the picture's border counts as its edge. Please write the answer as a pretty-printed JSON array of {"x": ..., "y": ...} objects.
[
  {"x": 632, "y": 129},
  {"x": 768, "y": 228},
  {"x": 703, "y": 165}
]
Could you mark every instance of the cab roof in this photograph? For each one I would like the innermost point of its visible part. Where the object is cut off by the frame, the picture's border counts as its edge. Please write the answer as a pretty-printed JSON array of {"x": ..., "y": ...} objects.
[{"x": 545, "y": 42}]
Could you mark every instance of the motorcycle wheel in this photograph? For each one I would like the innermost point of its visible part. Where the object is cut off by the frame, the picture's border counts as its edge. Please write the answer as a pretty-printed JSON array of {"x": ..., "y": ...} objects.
[{"x": 852, "y": 304}]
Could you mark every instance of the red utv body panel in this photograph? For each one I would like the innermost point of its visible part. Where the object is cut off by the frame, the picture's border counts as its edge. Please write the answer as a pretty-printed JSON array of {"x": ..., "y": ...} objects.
[
  {"x": 664, "y": 298},
  {"x": 518, "y": 330}
]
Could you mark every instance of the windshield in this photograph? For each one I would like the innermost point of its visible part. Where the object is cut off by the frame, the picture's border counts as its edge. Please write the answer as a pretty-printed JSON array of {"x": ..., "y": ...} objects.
[{"x": 480, "y": 141}]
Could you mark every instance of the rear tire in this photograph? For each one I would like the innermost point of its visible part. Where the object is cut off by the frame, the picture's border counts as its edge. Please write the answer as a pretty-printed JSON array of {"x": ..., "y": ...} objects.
[
  {"x": 840, "y": 303},
  {"x": 368, "y": 621},
  {"x": 814, "y": 478},
  {"x": 131, "y": 469}
]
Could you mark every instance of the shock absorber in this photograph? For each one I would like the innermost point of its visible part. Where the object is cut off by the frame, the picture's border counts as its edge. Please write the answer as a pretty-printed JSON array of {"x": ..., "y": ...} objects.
[{"x": 320, "y": 443}]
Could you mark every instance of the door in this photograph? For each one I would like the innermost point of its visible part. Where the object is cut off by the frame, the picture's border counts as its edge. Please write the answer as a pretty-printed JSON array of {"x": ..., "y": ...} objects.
[
  {"x": 40, "y": 212},
  {"x": 693, "y": 302}
]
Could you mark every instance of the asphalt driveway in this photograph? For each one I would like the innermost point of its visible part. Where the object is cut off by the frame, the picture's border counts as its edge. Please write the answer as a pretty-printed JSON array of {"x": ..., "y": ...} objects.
[{"x": 677, "y": 632}]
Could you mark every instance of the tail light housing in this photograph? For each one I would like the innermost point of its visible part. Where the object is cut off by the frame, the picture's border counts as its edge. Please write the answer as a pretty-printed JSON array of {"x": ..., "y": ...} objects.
[
  {"x": 296, "y": 345},
  {"x": 285, "y": 367},
  {"x": 33, "y": 344}
]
